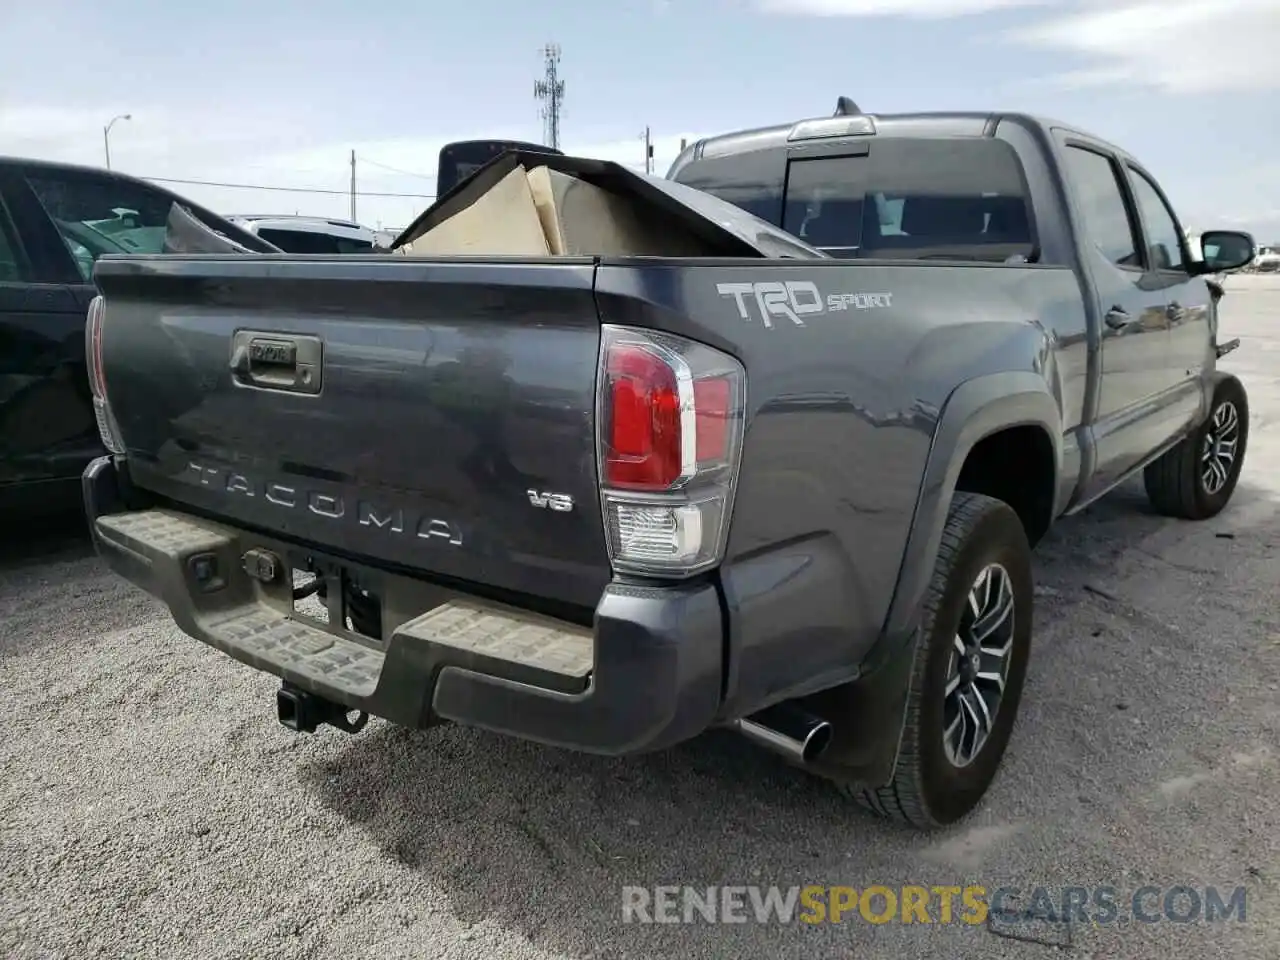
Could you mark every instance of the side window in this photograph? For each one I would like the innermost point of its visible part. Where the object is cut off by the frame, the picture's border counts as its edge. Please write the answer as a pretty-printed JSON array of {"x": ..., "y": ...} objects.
[
  {"x": 1164, "y": 239},
  {"x": 1096, "y": 185},
  {"x": 824, "y": 204},
  {"x": 99, "y": 215},
  {"x": 11, "y": 268}
]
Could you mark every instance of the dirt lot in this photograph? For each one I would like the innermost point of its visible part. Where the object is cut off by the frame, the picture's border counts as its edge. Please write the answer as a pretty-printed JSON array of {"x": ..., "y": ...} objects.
[{"x": 150, "y": 806}]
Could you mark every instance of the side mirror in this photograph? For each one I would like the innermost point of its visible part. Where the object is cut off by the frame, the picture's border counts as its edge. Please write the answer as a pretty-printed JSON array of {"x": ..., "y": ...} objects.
[{"x": 1225, "y": 250}]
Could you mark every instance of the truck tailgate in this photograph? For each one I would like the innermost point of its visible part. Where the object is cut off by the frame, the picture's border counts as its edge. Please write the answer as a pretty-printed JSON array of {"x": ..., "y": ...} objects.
[{"x": 428, "y": 415}]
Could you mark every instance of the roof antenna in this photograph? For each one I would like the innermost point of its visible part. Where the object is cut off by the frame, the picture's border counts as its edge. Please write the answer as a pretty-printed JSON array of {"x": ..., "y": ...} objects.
[{"x": 846, "y": 108}]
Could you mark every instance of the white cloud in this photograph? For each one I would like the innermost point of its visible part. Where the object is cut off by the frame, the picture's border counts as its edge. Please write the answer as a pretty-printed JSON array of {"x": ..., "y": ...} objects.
[
  {"x": 203, "y": 145},
  {"x": 1180, "y": 46},
  {"x": 916, "y": 9}
]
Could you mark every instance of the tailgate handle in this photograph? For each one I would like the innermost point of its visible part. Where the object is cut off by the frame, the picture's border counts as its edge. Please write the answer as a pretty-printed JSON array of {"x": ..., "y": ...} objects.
[{"x": 277, "y": 361}]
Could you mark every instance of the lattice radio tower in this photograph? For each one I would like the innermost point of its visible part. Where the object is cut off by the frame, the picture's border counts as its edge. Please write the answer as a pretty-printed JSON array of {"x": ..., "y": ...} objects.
[{"x": 550, "y": 90}]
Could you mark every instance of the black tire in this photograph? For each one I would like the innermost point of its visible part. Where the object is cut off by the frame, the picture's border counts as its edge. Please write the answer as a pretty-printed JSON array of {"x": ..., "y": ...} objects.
[
  {"x": 1176, "y": 483},
  {"x": 365, "y": 612},
  {"x": 928, "y": 790}
]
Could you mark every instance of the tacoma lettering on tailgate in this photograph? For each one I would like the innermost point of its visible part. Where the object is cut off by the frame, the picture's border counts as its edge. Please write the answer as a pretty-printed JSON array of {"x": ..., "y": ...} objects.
[{"x": 377, "y": 516}]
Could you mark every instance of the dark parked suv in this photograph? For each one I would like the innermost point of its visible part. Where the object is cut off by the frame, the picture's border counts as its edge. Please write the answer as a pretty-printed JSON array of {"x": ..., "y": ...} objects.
[{"x": 55, "y": 221}]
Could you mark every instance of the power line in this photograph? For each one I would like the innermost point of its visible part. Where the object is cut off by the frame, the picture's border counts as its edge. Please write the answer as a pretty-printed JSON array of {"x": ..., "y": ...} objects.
[
  {"x": 259, "y": 186},
  {"x": 387, "y": 166}
]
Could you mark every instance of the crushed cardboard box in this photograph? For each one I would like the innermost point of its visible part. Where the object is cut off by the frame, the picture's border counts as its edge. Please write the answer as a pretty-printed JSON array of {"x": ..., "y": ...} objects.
[
  {"x": 504, "y": 221},
  {"x": 534, "y": 205},
  {"x": 540, "y": 212}
]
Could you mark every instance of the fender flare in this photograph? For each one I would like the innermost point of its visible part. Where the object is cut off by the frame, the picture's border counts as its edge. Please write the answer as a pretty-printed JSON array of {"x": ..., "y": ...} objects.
[
  {"x": 1218, "y": 377},
  {"x": 1211, "y": 381},
  {"x": 875, "y": 704},
  {"x": 975, "y": 410}
]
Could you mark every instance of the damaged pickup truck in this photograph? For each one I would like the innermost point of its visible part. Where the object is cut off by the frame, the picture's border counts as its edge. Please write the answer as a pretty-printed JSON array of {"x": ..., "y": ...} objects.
[{"x": 605, "y": 461}]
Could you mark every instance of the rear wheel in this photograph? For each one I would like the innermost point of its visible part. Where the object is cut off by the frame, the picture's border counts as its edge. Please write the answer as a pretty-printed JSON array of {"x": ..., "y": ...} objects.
[
  {"x": 969, "y": 668},
  {"x": 1195, "y": 480},
  {"x": 364, "y": 611}
]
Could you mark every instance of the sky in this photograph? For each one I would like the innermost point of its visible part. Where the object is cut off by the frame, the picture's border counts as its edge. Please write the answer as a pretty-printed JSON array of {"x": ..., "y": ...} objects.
[{"x": 278, "y": 93}]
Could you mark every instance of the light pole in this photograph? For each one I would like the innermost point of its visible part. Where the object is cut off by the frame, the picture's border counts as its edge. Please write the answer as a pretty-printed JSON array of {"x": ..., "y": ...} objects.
[{"x": 106, "y": 136}]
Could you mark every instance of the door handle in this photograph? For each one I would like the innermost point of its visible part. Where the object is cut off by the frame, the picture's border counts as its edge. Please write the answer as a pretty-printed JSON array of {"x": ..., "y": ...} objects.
[
  {"x": 275, "y": 361},
  {"x": 1174, "y": 312},
  {"x": 1118, "y": 318}
]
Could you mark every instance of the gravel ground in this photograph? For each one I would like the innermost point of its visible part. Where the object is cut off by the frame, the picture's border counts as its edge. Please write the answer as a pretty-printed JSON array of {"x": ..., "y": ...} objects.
[{"x": 150, "y": 805}]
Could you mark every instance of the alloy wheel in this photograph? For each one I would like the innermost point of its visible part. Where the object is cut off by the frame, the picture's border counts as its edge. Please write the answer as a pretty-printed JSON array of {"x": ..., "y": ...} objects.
[
  {"x": 1218, "y": 455},
  {"x": 978, "y": 668}
]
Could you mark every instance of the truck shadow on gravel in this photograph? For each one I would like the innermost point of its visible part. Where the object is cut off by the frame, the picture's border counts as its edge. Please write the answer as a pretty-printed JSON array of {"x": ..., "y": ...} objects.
[
  {"x": 542, "y": 841},
  {"x": 29, "y": 543}
]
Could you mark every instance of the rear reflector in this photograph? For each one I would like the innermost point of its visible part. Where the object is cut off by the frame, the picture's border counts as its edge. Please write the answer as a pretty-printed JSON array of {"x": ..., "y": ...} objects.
[{"x": 670, "y": 432}]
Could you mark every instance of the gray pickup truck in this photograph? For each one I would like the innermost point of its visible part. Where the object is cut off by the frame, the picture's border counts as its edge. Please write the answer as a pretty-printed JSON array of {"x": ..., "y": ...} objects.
[{"x": 610, "y": 503}]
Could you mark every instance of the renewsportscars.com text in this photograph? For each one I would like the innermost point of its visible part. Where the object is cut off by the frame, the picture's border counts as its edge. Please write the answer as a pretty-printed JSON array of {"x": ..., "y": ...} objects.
[{"x": 970, "y": 905}]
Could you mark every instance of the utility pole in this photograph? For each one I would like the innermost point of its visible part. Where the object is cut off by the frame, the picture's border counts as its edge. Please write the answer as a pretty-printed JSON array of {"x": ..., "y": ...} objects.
[
  {"x": 106, "y": 136},
  {"x": 550, "y": 90},
  {"x": 353, "y": 186},
  {"x": 648, "y": 152}
]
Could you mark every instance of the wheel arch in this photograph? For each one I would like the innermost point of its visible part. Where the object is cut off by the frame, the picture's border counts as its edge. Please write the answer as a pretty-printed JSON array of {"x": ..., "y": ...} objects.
[
  {"x": 976, "y": 411},
  {"x": 1217, "y": 378},
  {"x": 876, "y": 703}
]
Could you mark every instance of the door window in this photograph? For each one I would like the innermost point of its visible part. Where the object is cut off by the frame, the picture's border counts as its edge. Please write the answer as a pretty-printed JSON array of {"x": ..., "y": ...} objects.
[
  {"x": 1107, "y": 223},
  {"x": 98, "y": 215},
  {"x": 1164, "y": 239}
]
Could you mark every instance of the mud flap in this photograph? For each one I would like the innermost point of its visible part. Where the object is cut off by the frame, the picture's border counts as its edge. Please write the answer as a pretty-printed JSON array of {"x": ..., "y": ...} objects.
[{"x": 867, "y": 716}]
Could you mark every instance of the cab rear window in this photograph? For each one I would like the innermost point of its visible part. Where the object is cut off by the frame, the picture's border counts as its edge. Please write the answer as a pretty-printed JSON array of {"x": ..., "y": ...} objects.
[{"x": 904, "y": 198}]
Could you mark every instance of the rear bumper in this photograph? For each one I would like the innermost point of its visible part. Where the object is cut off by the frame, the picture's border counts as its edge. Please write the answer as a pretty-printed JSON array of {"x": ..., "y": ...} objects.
[{"x": 645, "y": 676}]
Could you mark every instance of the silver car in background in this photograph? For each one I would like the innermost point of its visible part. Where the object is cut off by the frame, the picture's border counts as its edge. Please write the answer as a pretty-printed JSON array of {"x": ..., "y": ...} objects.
[{"x": 299, "y": 234}]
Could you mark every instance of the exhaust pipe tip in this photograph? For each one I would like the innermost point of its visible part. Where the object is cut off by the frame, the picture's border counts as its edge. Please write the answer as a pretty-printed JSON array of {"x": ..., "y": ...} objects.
[
  {"x": 787, "y": 730},
  {"x": 817, "y": 742}
]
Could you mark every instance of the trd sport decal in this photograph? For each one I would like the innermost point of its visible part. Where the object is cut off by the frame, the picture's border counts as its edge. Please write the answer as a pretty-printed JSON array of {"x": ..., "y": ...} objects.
[{"x": 793, "y": 299}]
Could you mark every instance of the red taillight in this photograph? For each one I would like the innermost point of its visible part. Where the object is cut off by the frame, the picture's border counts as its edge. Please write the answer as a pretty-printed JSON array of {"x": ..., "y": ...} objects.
[
  {"x": 93, "y": 358},
  {"x": 643, "y": 420},
  {"x": 107, "y": 428},
  {"x": 712, "y": 398},
  {"x": 671, "y": 427},
  {"x": 650, "y": 426}
]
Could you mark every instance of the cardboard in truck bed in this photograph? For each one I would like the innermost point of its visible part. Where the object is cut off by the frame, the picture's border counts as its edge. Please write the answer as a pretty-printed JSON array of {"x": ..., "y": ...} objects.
[{"x": 534, "y": 204}]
